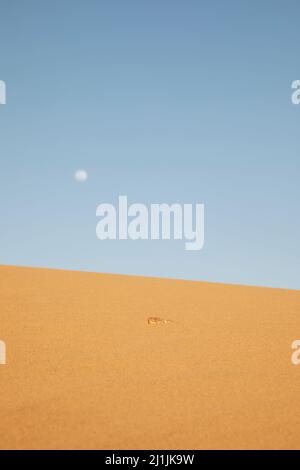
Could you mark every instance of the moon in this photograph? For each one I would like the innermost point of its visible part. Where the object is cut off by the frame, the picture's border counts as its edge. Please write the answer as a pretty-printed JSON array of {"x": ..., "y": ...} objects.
[{"x": 81, "y": 176}]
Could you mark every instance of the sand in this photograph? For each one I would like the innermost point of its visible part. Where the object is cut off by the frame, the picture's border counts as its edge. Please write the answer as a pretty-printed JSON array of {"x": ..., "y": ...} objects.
[{"x": 92, "y": 363}]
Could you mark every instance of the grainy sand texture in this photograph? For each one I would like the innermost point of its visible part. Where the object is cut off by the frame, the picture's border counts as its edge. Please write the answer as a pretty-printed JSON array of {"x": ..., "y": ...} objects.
[{"x": 100, "y": 361}]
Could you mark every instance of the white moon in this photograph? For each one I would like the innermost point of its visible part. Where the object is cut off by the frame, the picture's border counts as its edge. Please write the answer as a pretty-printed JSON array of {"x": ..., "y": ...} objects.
[{"x": 81, "y": 176}]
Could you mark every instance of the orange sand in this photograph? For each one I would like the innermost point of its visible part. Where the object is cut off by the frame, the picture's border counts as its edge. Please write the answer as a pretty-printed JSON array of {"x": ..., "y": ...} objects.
[{"x": 85, "y": 369}]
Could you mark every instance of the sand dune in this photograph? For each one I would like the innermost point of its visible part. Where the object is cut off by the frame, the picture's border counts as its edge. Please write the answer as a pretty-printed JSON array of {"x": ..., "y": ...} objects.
[{"x": 91, "y": 363}]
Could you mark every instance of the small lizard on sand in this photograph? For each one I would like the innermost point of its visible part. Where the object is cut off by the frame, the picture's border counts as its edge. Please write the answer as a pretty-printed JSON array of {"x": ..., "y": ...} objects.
[{"x": 158, "y": 321}]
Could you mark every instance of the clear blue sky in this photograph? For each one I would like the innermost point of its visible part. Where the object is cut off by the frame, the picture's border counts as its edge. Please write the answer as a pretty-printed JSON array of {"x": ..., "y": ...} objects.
[{"x": 162, "y": 100}]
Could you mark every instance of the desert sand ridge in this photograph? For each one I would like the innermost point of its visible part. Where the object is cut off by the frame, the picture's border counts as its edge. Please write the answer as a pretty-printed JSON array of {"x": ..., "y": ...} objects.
[{"x": 85, "y": 368}]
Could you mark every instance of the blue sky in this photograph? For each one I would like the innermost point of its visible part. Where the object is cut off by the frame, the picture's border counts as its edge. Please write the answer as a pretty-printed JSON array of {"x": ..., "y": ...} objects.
[{"x": 164, "y": 101}]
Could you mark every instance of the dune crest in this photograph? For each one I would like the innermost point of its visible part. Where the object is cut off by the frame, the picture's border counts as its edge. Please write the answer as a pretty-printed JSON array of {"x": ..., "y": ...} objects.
[{"x": 91, "y": 368}]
